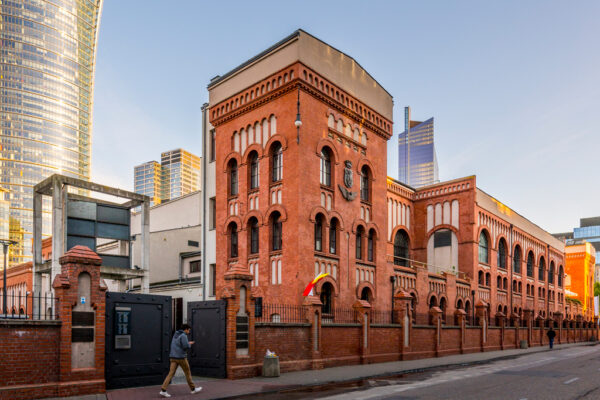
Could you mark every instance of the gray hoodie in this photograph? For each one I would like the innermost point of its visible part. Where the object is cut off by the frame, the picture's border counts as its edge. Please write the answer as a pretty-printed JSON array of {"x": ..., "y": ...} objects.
[{"x": 179, "y": 345}]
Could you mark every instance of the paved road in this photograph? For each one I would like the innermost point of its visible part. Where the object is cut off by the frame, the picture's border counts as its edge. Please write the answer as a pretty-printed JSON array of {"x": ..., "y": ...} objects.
[{"x": 561, "y": 374}]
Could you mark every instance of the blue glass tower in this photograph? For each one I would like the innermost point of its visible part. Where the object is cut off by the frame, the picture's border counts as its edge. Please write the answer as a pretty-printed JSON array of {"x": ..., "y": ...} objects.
[{"x": 417, "y": 161}]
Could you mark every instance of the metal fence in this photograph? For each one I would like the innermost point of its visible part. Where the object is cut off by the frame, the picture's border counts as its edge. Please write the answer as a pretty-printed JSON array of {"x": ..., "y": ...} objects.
[
  {"x": 282, "y": 313},
  {"x": 340, "y": 316},
  {"x": 382, "y": 317},
  {"x": 29, "y": 306}
]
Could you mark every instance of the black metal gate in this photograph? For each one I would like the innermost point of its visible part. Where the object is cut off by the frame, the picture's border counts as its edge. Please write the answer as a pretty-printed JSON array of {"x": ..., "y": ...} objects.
[
  {"x": 138, "y": 337},
  {"x": 208, "y": 321}
]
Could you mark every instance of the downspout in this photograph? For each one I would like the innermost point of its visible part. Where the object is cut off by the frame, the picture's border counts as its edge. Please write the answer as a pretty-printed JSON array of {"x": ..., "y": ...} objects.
[
  {"x": 512, "y": 267},
  {"x": 203, "y": 188}
]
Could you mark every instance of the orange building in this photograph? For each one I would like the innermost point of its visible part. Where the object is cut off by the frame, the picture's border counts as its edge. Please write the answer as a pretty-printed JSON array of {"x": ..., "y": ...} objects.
[{"x": 580, "y": 260}]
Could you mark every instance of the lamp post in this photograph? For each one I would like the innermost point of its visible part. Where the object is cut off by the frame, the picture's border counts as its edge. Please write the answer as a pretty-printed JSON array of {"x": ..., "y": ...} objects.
[{"x": 5, "y": 244}]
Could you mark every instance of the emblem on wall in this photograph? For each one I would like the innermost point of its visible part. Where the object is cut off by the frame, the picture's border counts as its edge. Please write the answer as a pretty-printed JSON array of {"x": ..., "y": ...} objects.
[{"x": 348, "y": 181}]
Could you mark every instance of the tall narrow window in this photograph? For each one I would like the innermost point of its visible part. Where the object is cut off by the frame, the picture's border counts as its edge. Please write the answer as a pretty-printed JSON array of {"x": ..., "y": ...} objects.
[
  {"x": 364, "y": 183},
  {"x": 233, "y": 241},
  {"x": 233, "y": 178},
  {"x": 517, "y": 260},
  {"x": 483, "y": 248},
  {"x": 325, "y": 296},
  {"x": 551, "y": 273},
  {"x": 254, "y": 170},
  {"x": 530, "y": 264},
  {"x": 401, "y": 248},
  {"x": 325, "y": 167},
  {"x": 359, "y": 237},
  {"x": 212, "y": 205},
  {"x": 560, "y": 276},
  {"x": 275, "y": 231},
  {"x": 277, "y": 162},
  {"x": 213, "y": 146},
  {"x": 542, "y": 270},
  {"x": 333, "y": 236},
  {"x": 502, "y": 254},
  {"x": 319, "y": 233},
  {"x": 253, "y": 223},
  {"x": 371, "y": 245}
]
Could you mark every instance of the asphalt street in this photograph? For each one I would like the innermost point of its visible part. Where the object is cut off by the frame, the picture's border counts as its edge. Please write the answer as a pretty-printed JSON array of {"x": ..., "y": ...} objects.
[{"x": 572, "y": 373}]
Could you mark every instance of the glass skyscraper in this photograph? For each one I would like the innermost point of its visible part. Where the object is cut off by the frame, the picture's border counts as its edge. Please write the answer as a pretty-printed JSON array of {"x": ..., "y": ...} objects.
[
  {"x": 177, "y": 174},
  {"x": 47, "y": 59},
  {"x": 417, "y": 161}
]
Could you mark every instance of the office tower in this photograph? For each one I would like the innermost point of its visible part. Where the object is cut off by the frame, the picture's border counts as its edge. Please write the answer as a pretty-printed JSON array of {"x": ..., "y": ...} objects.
[
  {"x": 417, "y": 161},
  {"x": 178, "y": 174},
  {"x": 47, "y": 78},
  {"x": 147, "y": 180},
  {"x": 181, "y": 173}
]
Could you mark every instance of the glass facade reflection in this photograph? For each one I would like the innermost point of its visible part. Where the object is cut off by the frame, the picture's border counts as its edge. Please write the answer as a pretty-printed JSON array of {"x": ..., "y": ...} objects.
[
  {"x": 147, "y": 180},
  {"x": 47, "y": 55},
  {"x": 417, "y": 161}
]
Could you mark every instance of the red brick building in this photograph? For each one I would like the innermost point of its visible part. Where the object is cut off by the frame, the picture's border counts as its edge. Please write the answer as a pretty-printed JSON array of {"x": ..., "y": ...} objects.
[{"x": 294, "y": 200}]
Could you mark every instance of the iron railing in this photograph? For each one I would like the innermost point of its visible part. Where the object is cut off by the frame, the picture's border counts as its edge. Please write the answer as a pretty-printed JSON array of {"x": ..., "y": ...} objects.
[
  {"x": 340, "y": 316},
  {"x": 282, "y": 313},
  {"x": 29, "y": 306}
]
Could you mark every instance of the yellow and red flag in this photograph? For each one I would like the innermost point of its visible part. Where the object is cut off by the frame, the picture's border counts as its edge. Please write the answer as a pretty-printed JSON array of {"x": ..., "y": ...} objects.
[{"x": 313, "y": 283}]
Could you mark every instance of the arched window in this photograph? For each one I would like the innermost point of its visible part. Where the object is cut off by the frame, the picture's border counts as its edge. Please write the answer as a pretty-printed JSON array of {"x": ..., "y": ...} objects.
[
  {"x": 365, "y": 181},
  {"x": 561, "y": 272},
  {"x": 276, "y": 162},
  {"x": 365, "y": 295},
  {"x": 499, "y": 282},
  {"x": 520, "y": 287},
  {"x": 253, "y": 170},
  {"x": 542, "y": 270},
  {"x": 401, "y": 248},
  {"x": 502, "y": 254},
  {"x": 325, "y": 167},
  {"x": 371, "y": 245},
  {"x": 253, "y": 225},
  {"x": 326, "y": 299},
  {"x": 483, "y": 248},
  {"x": 505, "y": 283},
  {"x": 359, "y": 238},
  {"x": 333, "y": 236},
  {"x": 530, "y": 264},
  {"x": 443, "y": 308},
  {"x": 514, "y": 286},
  {"x": 319, "y": 233},
  {"x": 276, "y": 231},
  {"x": 551, "y": 273},
  {"x": 517, "y": 260},
  {"x": 488, "y": 279},
  {"x": 233, "y": 240},
  {"x": 233, "y": 178},
  {"x": 480, "y": 278}
]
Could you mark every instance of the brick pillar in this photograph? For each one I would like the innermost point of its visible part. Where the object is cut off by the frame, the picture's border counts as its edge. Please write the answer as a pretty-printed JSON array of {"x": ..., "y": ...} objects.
[
  {"x": 540, "y": 322},
  {"x": 312, "y": 312},
  {"x": 363, "y": 310},
  {"x": 403, "y": 316},
  {"x": 461, "y": 319},
  {"x": 579, "y": 326},
  {"x": 558, "y": 319},
  {"x": 435, "y": 316},
  {"x": 240, "y": 319},
  {"x": 517, "y": 325},
  {"x": 527, "y": 316},
  {"x": 595, "y": 329},
  {"x": 481, "y": 312},
  {"x": 502, "y": 321},
  {"x": 80, "y": 289}
]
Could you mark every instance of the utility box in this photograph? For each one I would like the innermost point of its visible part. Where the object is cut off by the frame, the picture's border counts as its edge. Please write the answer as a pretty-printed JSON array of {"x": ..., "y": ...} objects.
[
  {"x": 270, "y": 366},
  {"x": 524, "y": 344}
]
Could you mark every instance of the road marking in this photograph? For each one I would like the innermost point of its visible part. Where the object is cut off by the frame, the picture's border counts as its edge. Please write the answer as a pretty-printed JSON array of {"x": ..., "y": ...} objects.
[{"x": 570, "y": 381}]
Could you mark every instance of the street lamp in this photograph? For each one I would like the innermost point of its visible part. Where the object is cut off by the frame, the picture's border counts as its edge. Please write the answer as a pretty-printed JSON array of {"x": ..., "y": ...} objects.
[{"x": 5, "y": 244}]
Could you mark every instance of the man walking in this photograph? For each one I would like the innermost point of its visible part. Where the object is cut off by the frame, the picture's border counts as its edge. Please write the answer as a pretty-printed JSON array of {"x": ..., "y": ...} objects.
[
  {"x": 551, "y": 334},
  {"x": 178, "y": 356}
]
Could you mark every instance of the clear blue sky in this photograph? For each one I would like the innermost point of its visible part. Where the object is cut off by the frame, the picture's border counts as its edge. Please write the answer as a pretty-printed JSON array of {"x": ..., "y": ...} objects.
[{"x": 514, "y": 86}]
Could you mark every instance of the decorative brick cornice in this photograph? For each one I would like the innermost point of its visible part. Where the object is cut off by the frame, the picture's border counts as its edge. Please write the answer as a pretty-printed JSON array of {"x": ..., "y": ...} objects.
[
  {"x": 311, "y": 301},
  {"x": 238, "y": 271},
  {"x": 61, "y": 281}
]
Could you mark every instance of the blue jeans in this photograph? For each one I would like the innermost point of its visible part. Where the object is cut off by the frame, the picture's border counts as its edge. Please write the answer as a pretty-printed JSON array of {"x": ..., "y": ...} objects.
[{"x": 551, "y": 342}]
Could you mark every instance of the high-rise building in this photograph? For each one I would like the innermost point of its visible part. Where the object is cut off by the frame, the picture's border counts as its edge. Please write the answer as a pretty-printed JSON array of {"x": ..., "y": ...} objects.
[
  {"x": 417, "y": 161},
  {"x": 47, "y": 64},
  {"x": 588, "y": 231},
  {"x": 178, "y": 174},
  {"x": 147, "y": 180},
  {"x": 181, "y": 173},
  {"x": 580, "y": 260}
]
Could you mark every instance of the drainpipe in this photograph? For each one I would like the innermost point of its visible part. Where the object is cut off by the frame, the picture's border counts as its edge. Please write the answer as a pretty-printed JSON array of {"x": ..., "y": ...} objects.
[
  {"x": 203, "y": 188},
  {"x": 511, "y": 267}
]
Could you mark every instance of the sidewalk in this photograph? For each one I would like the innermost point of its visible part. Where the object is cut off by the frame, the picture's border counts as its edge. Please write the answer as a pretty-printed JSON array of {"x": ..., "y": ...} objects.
[{"x": 227, "y": 389}]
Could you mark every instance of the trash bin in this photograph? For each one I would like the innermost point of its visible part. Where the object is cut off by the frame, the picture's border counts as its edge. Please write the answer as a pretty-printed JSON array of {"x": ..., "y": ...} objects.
[
  {"x": 270, "y": 366},
  {"x": 524, "y": 344}
]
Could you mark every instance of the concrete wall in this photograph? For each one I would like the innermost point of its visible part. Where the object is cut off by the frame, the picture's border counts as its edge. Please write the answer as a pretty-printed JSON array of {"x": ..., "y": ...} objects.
[{"x": 208, "y": 192}]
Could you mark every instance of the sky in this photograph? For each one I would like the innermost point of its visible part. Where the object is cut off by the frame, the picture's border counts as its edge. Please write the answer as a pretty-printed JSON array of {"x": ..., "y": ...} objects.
[{"x": 514, "y": 86}]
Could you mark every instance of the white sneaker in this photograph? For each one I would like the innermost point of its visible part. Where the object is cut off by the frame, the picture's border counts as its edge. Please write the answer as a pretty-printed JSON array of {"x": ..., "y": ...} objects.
[
  {"x": 197, "y": 390},
  {"x": 164, "y": 394}
]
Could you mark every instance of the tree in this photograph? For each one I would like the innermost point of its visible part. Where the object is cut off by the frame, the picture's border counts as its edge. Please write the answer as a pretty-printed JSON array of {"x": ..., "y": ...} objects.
[{"x": 596, "y": 289}]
